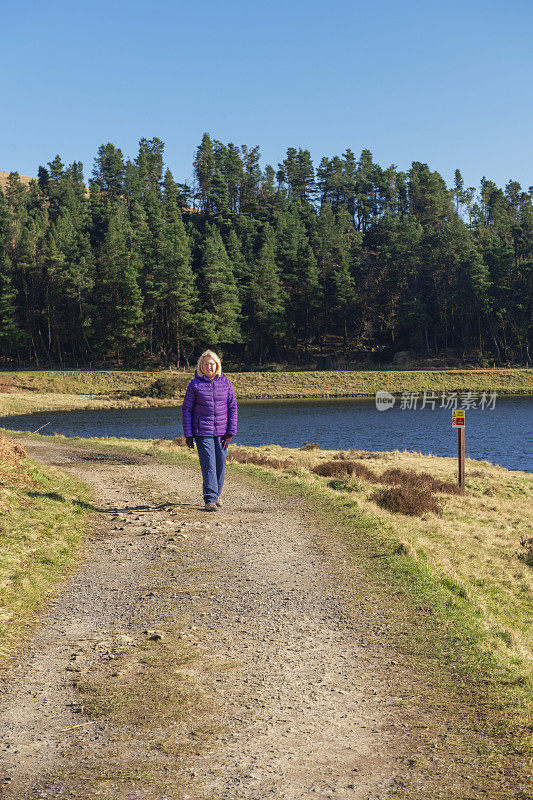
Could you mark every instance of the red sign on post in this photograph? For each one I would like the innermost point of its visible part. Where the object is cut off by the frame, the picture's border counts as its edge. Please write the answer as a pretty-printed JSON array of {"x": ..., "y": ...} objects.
[
  {"x": 458, "y": 418},
  {"x": 458, "y": 421}
]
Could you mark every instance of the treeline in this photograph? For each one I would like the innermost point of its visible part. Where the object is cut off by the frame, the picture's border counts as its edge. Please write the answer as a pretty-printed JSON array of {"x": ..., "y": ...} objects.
[{"x": 348, "y": 260}]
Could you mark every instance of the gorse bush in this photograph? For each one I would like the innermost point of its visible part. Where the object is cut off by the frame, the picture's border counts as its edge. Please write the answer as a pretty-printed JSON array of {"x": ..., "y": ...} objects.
[{"x": 166, "y": 386}]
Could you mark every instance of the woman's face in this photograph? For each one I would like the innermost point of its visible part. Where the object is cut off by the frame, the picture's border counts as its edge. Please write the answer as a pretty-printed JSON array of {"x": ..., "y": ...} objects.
[{"x": 209, "y": 367}]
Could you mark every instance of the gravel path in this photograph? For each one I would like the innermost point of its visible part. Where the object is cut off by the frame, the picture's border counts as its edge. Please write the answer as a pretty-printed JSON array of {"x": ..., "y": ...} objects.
[{"x": 302, "y": 694}]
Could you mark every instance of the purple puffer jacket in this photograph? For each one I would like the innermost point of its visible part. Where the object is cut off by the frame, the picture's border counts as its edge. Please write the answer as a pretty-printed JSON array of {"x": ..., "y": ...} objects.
[{"x": 209, "y": 407}]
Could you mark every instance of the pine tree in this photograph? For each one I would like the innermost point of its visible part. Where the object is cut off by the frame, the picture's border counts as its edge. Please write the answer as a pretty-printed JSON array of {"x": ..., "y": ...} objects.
[
  {"x": 149, "y": 162},
  {"x": 220, "y": 289},
  {"x": 120, "y": 302},
  {"x": 204, "y": 167},
  {"x": 180, "y": 293},
  {"x": 10, "y": 333},
  {"x": 298, "y": 173},
  {"x": 251, "y": 179},
  {"x": 267, "y": 298},
  {"x": 108, "y": 171}
]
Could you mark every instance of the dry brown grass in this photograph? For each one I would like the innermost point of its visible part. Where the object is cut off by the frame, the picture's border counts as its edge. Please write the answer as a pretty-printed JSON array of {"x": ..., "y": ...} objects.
[
  {"x": 337, "y": 468},
  {"x": 11, "y": 451},
  {"x": 526, "y": 555},
  {"x": 179, "y": 441},
  {"x": 344, "y": 455},
  {"x": 13, "y": 474},
  {"x": 249, "y": 457},
  {"x": 410, "y": 500},
  {"x": 4, "y": 180}
]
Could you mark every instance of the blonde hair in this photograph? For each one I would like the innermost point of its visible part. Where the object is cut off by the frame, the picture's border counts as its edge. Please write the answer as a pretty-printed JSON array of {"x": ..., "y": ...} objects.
[{"x": 212, "y": 355}]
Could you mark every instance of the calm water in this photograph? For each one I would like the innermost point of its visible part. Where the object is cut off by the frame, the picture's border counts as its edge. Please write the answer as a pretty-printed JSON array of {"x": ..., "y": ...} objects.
[{"x": 503, "y": 435}]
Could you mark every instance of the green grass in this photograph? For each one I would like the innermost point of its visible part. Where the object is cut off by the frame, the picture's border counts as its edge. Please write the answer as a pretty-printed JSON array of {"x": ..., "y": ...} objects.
[{"x": 42, "y": 527}]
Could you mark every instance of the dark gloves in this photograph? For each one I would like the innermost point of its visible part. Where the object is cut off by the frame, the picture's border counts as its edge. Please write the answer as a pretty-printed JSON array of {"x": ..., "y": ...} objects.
[
  {"x": 189, "y": 441},
  {"x": 225, "y": 441}
]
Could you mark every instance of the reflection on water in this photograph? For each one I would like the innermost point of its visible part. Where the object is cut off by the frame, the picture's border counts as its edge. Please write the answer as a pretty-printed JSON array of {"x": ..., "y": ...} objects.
[{"x": 502, "y": 435}]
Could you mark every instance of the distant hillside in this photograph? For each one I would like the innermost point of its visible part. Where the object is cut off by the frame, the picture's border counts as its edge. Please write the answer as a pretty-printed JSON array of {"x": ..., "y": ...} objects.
[{"x": 5, "y": 175}]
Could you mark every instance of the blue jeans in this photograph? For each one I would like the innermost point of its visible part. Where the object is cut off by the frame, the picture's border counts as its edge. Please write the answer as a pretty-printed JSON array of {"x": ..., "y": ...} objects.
[{"x": 213, "y": 463}]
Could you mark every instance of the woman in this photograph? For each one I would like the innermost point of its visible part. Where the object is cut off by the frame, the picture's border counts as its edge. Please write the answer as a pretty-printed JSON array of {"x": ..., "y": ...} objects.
[{"x": 209, "y": 415}]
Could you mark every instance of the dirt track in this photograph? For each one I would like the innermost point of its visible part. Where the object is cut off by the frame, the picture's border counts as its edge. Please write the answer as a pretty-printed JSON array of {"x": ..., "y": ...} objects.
[{"x": 298, "y": 690}]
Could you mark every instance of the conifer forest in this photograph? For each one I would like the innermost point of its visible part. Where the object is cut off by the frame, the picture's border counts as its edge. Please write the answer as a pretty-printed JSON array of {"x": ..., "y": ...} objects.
[{"x": 343, "y": 260}]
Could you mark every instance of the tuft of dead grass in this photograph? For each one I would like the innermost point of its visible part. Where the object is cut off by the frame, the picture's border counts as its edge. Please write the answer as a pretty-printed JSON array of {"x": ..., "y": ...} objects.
[
  {"x": 247, "y": 457},
  {"x": 408, "y": 500},
  {"x": 337, "y": 468},
  {"x": 14, "y": 476},
  {"x": 12, "y": 454},
  {"x": 526, "y": 555},
  {"x": 344, "y": 455},
  {"x": 179, "y": 441}
]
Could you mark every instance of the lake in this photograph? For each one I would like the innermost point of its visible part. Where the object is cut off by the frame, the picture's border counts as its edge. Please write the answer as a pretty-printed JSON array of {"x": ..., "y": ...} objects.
[{"x": 502, "y": 435}]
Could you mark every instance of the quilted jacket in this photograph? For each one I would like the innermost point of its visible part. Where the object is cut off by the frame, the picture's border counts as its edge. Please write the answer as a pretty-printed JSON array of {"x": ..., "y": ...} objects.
[{"x": 209, "y": 407}]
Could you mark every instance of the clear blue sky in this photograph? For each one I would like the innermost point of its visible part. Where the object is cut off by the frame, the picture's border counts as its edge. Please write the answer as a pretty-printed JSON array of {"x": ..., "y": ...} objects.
[{"x": 447, "y": 83}]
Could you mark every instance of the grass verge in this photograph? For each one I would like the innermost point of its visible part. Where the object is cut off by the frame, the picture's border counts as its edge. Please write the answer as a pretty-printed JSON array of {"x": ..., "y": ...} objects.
[
  {"x": 44, "y": 517},
  {"x": 456, "y": 588}
]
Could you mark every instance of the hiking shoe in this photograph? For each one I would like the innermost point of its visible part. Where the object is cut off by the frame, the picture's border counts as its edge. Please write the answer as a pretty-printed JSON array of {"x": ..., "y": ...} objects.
[
  {"x": 211, "y": 507},
  {"x": 219, "y": 502}
]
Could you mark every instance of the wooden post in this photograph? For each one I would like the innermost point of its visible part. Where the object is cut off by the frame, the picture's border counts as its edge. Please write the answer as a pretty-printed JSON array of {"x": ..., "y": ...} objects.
[{"x": 461, "y": 456}]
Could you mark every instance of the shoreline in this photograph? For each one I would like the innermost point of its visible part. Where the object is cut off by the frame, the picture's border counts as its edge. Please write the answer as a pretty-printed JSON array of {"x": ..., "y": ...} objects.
[
  {"x": 91, "y": 403},
  {"x": 27, "y": 392},
  {"x": 27, "y": 403}
]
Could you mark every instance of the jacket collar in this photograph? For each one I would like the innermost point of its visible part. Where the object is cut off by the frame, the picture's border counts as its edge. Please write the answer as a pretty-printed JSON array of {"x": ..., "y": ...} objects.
[{"x": 203, "y": 378}]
